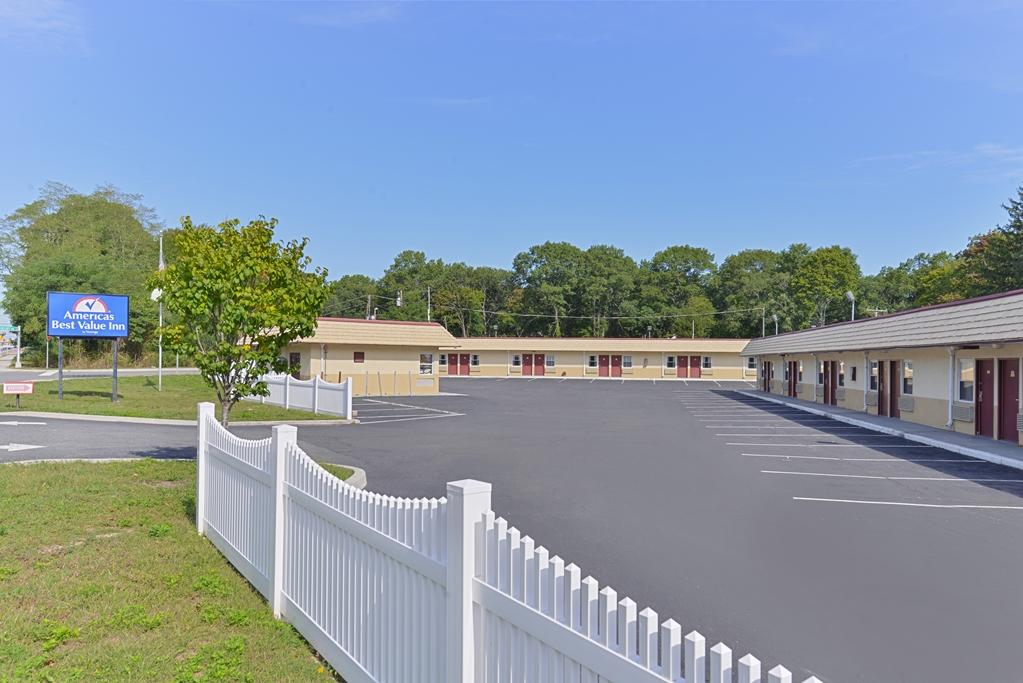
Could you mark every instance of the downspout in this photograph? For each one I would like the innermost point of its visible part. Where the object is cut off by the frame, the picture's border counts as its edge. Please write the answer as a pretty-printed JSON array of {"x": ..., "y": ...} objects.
[
  {"x": 866, "y": 378},
  {"x": 815, "y": 366},
  {"x": 951, "y": 383}
]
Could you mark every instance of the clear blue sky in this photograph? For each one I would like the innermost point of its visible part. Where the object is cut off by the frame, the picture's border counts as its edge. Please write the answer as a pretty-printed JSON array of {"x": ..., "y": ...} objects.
[{"x": 472, "y": 131}]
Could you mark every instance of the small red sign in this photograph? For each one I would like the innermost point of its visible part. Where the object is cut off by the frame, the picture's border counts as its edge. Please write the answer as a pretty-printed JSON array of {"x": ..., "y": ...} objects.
[{"x": 19, "y": 388}]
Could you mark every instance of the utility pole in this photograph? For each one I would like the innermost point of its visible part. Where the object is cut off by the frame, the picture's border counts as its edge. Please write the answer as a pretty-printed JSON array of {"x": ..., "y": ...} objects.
[
  {"x": 159, "y": 348},
  {"x": 369, "y": 305},
  {"x": 763, "y": 322},
  {"x": 693, "y": 322},
  {"x": 429, "y": 312}
]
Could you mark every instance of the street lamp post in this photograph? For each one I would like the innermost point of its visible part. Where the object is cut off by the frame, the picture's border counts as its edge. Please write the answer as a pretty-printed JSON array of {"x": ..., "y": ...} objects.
[
  {"x": 774, "y": 316},
  {"x": 852, "y": 299}
]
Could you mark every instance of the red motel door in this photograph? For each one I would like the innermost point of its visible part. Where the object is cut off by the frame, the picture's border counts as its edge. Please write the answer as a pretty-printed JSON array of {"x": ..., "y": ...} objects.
[
  {"x": 452, "y": 363},
  {"x": 463, "y": 364},
  {"x": 603, "y": 366},
  {"x": 694, "y": 366},
  {"x": 616, "y": 366},
  {"x": 538, "y": 367},
  {"x": 681, "y": 366},
  {"x": 527, "y": 364}
]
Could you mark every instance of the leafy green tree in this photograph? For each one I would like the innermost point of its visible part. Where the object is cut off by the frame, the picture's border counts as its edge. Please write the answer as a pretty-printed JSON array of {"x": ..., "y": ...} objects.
[
  {"x": 549, "y": 275},
  {"x": 993, "y": 261},
  {"x": 821, "y": 280},
  {"x": 239, "y": 298},
  {"x": 101, "y": 242},
  {"x": 348, "y": 296}
]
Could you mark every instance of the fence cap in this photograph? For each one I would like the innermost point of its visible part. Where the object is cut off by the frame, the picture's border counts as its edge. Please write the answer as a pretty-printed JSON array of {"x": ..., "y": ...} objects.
[{"x": 467, "y": 487}]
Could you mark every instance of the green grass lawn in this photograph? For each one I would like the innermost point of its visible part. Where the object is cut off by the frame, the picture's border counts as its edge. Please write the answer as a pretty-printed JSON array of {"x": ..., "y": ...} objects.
[
  {"x": 139, "y": 398},
  {"x": 104, "y": 578}
]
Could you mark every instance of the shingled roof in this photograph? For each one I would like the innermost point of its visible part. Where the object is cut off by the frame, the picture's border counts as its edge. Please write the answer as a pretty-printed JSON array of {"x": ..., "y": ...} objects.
[
  {"x": 984, "y": 320},
  {"x": 380, "y": 333}
]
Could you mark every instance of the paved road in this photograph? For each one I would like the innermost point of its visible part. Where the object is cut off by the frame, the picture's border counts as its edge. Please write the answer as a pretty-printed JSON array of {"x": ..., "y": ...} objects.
[
  {"x": 37, "y": 374},
  {"x": 830, "y": 549}
]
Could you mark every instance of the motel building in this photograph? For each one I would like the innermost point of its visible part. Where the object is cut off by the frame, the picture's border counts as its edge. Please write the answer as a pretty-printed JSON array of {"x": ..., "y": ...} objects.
[
  {"x": 599, "y": 357},
  {"x": 955, "y": 366},
  {"x": 382, "y": 357}
]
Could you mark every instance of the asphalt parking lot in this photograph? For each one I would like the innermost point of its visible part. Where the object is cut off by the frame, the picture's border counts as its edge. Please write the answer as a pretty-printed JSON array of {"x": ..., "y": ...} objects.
[{"x": 833, "y": 550}]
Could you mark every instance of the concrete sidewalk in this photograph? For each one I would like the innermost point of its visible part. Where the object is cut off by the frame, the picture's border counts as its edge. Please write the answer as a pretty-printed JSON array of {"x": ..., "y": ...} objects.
[{"x": 999, "y": 452}]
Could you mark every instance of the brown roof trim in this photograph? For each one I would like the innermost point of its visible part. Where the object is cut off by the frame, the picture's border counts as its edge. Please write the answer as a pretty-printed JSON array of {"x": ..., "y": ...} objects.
[
  {"x": 380, "y": 322},
  {"x": 667, "y": 339},
  {"x": 896, "y": 314}
]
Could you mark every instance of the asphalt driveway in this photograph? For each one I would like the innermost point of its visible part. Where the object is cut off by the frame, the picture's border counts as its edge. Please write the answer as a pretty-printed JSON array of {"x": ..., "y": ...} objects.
[{"x": 830, "y": 549}]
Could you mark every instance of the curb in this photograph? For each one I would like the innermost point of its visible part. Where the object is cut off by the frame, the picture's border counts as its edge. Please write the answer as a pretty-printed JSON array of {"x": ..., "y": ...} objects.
[
  {"x": 164, "y": 421},
  {"x": 358, "y": 478},
  {"x": 908, "y": 436}
]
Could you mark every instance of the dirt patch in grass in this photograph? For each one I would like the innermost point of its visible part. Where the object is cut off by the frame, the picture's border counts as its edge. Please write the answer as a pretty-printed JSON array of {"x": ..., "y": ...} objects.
[{"x": 103, "y": 578}]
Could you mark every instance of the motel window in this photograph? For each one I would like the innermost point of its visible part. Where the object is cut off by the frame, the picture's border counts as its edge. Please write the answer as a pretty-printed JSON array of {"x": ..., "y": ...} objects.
[
  {"x": 841, "y": 374},
  {"x": 852, "y": 375},
  {"x": 967, "y": 369},
  {"x": 907, "y": 377},
  {"x": 549, "y": 360},
  {"x": 592, "y": 362},
  {"x": 426, "y": 364},
  {"x": 770, "y": 367},
  {"x": 799, "y": 374},
  {"x": 785, "y": 372},
  {"x": 873, "y": 375},
  {"x": 474, "y": 359},
  {"x": 359, "y": 357},
  {"x": 670, "y": 361},
  {"x": 516, "y": 360},
  {"x": 443, "y": 359},
  {"x": 751, "y": 363},
  {"x": 626, "y": 361},
  {"x": 820, "y": 372},
  {"x": 706, "y": 363}
]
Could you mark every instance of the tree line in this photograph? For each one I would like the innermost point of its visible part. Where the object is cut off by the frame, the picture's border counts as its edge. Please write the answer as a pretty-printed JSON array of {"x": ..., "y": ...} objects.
[
  {"x": 559, "y": 289},
  {"x": 107, "y": 241}
]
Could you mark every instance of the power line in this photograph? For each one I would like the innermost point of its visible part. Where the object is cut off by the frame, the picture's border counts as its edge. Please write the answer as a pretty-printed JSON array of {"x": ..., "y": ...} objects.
[{"x": 605, "y": 317}]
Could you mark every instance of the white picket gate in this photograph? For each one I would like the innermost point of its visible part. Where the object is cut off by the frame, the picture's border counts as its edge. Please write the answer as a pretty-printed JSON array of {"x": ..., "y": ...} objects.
[
  {"x": 314, "y": 394},
  {"x": 400, "y": 590}
]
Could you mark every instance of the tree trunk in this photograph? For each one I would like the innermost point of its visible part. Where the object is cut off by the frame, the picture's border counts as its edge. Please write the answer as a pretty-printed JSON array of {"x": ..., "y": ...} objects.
[{"x": 225, "y": 412}]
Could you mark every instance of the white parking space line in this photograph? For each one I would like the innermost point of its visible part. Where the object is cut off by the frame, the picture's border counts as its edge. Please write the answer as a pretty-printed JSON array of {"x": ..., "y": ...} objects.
[
  {"x": 891, "y": 459},
  {"x": 912, "y": 505},
  {"x": 816, "y": 435},
  {"x": 380, "y": 410},
  {"x": 891, "y": 478},
  {"x": 830, "y": 445},
  {"x": 409, "y": 419},
  {"x": 406, "y": 405}
]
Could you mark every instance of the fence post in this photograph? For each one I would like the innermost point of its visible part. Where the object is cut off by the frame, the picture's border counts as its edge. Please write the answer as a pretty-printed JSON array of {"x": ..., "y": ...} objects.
[
  {"x": 206, "y": 415},
  {"x": 348, "y": 398},
  {"x": 468, "y": 499},
  {"x": 287, "y": 391},
  {"x": 316, "y": 394},
  {"x": 281, "y": 437}
]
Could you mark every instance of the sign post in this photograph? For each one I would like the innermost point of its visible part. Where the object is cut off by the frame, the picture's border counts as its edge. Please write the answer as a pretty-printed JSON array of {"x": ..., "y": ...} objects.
[
  {"x": 84, "y": 316},
  {"x": 18, "y": 388},
  {"x": 113, "y": 393}
]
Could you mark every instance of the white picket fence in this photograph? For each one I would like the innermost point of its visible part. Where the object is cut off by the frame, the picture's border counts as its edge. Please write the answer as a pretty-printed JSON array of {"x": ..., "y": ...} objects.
[
  {"x": 435, "y": 590},
  {"x": 313, "y": 394}
]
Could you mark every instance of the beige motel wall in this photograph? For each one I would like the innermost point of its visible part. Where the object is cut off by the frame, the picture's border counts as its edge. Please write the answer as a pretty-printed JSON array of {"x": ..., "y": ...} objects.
[
  {"x": 935, "y": 374},
  {"x": 378, "y": 371},
  {"x": 716, "y": 359}
]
